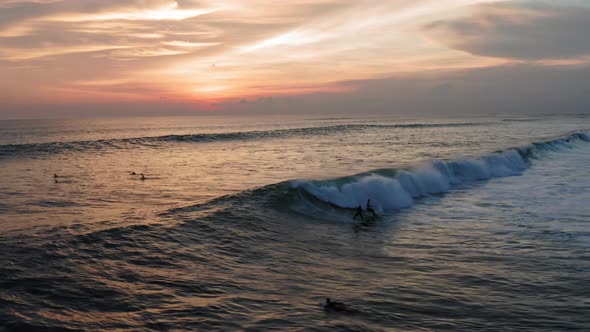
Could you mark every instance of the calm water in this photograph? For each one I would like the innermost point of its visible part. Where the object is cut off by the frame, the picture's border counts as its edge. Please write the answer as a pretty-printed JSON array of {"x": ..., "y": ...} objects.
[{"x": 246, "y": 224}]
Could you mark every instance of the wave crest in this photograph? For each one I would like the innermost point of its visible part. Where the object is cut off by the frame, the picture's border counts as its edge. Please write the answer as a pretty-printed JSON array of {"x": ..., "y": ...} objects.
[
  {"x": 393, "y": 189},
  {"x": 400, "y": 190}
]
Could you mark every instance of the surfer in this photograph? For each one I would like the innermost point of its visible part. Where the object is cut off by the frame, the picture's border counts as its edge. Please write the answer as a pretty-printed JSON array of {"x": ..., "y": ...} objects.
[
  {"x": 334, "y": 306},
  {"x": 359, "y": 213},
  {"x": 370, "y": 208},
  {"x": 133, "y": 173},
  {"x": 142, "y": 177},
  {"x": 55, "y": 176}
]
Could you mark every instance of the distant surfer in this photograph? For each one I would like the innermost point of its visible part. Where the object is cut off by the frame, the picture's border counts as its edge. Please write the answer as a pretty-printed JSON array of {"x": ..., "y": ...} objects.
[
  {"x": 133, "y": 173},
  {"x": 370, "y": 208},
  {"x": 334, "y": 306},
  {"x": 55, "y": 176},
  {"x": 55, "y": 180},
  {"x": 142, "y": 177},
  {"x": 359, "y": 213}
]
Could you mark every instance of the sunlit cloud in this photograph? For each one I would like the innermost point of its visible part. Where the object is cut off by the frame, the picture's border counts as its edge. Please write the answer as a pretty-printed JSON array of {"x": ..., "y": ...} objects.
[
  {"x": 292, "y": 38},
  {"x": 8, "y": 54},
  {"x": 133, "y": 53},
  {"x": 169, "y": 11},
  {"x": 16, "y": 31},
  {"x": 188, "y": 44}
]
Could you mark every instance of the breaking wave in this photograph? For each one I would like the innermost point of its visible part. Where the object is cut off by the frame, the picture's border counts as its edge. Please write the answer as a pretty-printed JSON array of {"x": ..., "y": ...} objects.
[{"x": 392, "y": 189}]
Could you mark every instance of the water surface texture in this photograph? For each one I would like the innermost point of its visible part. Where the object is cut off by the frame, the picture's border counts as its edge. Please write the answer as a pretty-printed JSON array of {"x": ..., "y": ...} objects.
[{"x": 247, "y": 224}]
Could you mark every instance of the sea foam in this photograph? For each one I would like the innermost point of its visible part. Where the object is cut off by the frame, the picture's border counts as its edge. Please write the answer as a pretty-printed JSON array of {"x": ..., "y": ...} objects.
[{"x": 398, "y": 189}]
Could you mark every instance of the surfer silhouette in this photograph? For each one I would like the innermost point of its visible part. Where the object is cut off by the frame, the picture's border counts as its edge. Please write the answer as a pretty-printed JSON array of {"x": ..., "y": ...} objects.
[
  {"x": 359, "y": 213},
  {"x": 329, "y": 305},
  {"x": 142, "y": 177},
  {"x": 370, "y": 208}
]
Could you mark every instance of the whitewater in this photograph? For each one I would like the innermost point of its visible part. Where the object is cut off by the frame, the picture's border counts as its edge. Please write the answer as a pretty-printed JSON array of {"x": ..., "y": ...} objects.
[{"x": 247, "y": 223}]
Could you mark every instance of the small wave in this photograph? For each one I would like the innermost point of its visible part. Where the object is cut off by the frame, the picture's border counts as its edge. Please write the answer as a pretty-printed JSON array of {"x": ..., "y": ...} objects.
[
  {"x": 54, "y": 203},
  {"x": 521, "y": 120},
  {"x": 156, "y": 141}
]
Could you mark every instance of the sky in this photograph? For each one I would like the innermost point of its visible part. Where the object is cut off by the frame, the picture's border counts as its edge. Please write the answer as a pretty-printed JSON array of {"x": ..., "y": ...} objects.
[{"x": 159, "y": 57}]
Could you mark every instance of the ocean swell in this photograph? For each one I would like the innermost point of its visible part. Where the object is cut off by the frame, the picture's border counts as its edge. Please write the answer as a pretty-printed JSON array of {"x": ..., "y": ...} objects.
[{"x": 32, "y": 149}]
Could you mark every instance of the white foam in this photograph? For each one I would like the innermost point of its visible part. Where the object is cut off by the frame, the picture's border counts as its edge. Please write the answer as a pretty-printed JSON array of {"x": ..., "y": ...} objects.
[{"x": 400, "y": 191}]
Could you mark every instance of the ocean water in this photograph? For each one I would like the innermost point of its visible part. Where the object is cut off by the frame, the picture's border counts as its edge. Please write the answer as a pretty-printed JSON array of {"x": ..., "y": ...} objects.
[{"x": 247, "y": 224}]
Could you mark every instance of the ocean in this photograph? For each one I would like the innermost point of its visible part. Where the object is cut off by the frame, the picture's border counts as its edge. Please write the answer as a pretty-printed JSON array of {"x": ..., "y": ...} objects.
[{"x": 246, "y": 223}]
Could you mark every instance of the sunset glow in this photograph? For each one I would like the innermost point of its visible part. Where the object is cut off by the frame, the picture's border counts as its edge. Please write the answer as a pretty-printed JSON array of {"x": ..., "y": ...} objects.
[{"x": 204, "y": 51}]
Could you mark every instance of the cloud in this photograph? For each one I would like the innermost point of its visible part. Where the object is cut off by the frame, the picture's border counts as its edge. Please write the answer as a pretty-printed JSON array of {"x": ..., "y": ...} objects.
[
  {"x": 214, "y": 50},
  {"x": 518, "y": 31},
  {"x": 507, "y": 89},
  {"x": 26, "y": 16}
]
